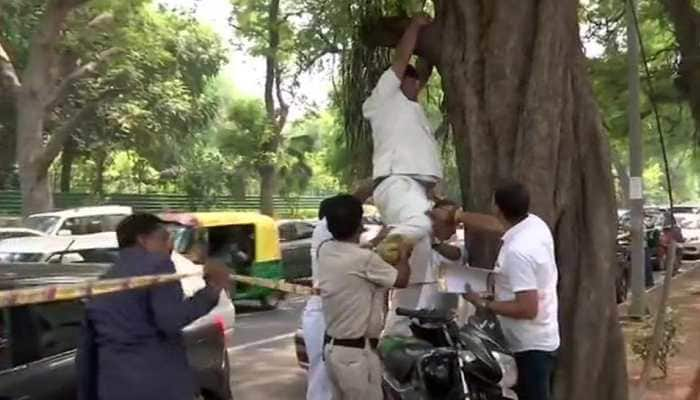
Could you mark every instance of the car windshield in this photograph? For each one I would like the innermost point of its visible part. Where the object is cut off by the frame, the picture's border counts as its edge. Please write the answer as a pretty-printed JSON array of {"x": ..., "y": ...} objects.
[
  {"x": 41, "y": 223},
  {"x": 690, "y": 224}
]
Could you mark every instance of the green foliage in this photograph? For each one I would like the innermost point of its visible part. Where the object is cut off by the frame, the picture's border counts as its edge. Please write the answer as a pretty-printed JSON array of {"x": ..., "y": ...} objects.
[
  {"x": 606, "y": 27},
  {"x": 642, "y": 342},
  {"x": 155, "y": 90}
]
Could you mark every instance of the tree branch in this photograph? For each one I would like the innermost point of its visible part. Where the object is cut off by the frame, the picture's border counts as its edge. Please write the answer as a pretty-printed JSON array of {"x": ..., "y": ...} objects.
[
  {"x": 80, "y": 72},
  {"x": 387, "y": 31},
  {"x": 62, "y": 133},
  {"x": 9, "y": 79},
  {"x": 101, "y": 21},
  {"x": 58, "y": 138},
  {"x": 283, "y": 110}
]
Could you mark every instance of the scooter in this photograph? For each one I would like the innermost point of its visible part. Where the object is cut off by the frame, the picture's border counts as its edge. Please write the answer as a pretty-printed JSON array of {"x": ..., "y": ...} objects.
[{"x": 446, "y": 362}]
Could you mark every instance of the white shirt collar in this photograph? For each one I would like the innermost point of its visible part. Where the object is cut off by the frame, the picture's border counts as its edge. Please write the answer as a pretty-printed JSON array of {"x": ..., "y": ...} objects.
[{"x": 510, "y": 233}]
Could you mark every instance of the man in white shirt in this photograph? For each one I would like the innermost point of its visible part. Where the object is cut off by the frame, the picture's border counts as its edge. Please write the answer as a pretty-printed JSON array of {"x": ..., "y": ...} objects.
[
  {"x": 406, "y": 165},
  {"x": 526, "y": 292},
  {"x": 406, "y": 160}
]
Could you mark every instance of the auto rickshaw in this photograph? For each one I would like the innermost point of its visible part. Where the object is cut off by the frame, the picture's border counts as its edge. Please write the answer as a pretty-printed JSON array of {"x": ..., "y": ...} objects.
[{"x": 246, "y": 242}]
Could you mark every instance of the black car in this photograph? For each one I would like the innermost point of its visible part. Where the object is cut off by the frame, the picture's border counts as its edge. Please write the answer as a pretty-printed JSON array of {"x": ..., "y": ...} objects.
[
  {"x": 38, "y": 342},
  {"x": 295, "y": 244}
]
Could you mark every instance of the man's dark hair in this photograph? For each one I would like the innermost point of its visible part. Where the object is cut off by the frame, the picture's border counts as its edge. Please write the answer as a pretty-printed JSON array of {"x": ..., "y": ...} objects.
[
  {"x": 411, "y": 72},
  {"x": 323, "y": 207},
  {"x": 513, "y": 200},
  {"x": 133, "y": 226},
  {"x": 344, "y": 216}
]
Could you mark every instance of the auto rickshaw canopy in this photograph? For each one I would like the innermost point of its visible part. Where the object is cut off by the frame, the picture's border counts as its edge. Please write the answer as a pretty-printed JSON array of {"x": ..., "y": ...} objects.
[{"x": 267, "y": 247}]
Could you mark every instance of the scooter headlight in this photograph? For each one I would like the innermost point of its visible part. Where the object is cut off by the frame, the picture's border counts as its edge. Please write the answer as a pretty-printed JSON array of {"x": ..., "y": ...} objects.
[
  {"x": 509, "y": 369},
  {"x": 467, "y": 356}
]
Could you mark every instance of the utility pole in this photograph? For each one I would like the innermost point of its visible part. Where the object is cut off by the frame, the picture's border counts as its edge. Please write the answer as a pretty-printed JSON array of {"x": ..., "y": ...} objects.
[{"x": 636, "y": 201}]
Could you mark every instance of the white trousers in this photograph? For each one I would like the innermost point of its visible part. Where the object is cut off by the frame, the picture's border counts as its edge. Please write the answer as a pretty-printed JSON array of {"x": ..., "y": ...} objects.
[
  {"x": 402, "y": 203},
  {"x": 313, "y": 325}
]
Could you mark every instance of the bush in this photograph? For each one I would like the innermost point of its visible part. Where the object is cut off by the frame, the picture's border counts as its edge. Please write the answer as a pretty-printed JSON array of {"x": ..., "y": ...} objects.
[{"x": 642, "y": 342}]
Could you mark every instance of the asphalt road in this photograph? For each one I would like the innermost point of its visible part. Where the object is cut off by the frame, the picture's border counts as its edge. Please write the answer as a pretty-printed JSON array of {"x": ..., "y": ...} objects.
[{"x": 263, "y": 360}]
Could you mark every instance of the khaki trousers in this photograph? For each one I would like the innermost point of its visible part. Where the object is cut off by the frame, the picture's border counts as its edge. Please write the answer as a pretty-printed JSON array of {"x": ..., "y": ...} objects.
[{"x": 355, "y": 374}]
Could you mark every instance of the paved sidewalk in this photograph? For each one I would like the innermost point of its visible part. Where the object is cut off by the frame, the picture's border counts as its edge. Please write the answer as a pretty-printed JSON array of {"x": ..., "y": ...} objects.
[{"x": 683, "y": 367}]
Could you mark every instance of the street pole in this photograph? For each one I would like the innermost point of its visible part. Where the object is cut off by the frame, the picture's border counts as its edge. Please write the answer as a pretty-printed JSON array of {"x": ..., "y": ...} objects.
[{"x": 636, "y": 201}]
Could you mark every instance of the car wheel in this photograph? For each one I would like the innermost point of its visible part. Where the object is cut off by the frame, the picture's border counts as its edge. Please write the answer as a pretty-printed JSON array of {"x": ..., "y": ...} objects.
[{"x": 272, "y": 300}]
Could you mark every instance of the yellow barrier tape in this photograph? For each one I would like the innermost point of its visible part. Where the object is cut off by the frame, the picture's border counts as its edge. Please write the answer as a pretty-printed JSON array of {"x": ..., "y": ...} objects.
[{"x": 95, "y": 287}]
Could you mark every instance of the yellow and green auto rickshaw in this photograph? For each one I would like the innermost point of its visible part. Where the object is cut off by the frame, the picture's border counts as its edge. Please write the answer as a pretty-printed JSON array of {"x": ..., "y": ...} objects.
[{"x": 247, "y": 242}]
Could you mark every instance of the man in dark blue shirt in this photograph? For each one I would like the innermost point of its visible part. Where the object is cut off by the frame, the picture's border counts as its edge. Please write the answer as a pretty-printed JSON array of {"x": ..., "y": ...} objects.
[{"x": 132, "y": 344}]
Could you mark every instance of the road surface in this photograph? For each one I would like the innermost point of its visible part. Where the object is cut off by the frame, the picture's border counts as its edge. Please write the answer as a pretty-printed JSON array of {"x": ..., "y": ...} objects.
[{"x": 264, "y": 361}]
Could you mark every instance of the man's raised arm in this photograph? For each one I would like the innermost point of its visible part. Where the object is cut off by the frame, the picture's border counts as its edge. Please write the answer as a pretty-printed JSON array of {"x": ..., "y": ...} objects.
[{"x": 407, "y": 44}]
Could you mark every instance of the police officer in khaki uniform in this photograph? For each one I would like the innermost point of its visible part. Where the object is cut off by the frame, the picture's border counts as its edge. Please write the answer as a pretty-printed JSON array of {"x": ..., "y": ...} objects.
[{"x": 353, "y": 282}]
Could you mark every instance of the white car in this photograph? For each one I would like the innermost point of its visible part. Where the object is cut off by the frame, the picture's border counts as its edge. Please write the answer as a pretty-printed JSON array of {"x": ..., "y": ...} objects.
[
  {"x": 9, "y": 233},
  {"x": 690, "y": 227},
  {"x": 78, "y": 221},
  {"x": 97, "y": 248}
]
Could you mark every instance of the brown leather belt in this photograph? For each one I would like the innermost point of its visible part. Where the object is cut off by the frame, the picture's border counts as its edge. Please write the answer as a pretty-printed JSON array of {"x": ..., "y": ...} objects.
[{"x": 358, "y": 343}]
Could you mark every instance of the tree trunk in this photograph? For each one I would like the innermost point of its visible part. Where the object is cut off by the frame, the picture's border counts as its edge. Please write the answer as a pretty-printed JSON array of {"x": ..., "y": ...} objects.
[
  {"x": 623, "y": 178},
  {"x": 268, "y": 188},
  {"x": 33, "y": 179},
  {"x": 98, "y": 182},
  {"x": 67, "y": 158},
  {"x": 8, "y": 135},
  {"x": 522, "y": 107}
]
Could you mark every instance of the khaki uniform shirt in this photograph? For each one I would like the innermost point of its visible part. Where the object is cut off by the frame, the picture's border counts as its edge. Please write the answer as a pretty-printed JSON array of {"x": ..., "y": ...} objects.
[{"x": 353, "y": 282}]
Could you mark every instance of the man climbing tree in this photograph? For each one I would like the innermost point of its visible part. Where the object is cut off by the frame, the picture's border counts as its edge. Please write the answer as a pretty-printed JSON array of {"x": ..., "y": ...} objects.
[{"x": 521, "y": 107}]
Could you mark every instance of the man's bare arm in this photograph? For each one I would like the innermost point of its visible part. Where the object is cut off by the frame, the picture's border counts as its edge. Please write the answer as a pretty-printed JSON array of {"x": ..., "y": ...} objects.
[
  {"x": 524, "y": 306},
  {"x": 450, "y": 252},
  {"x": 404, "y": 50}
]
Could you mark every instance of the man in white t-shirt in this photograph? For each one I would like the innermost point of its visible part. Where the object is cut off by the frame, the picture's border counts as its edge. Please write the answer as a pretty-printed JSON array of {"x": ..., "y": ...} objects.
[{"x": 526, "y": 292}]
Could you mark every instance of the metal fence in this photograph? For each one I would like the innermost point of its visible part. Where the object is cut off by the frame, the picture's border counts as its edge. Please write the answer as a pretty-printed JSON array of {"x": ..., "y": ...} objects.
[{"x": 11, "y": 202}]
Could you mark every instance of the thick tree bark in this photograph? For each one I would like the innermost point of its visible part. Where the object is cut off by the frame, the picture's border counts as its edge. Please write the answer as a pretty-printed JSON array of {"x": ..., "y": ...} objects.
[
  {"x": 268, "y": 189},
  {"x": 522, "y": 108},
  {"x": 67, "y": 159},
  {"x": 33, "y": 181}
]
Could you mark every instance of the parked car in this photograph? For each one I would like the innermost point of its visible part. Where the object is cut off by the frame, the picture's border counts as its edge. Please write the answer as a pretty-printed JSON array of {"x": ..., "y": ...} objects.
[
  {"x": 78, "y": 221},
  {"x": 690, "y": 227},
  {"x": 97, "y": 248},
  {"x": 38, "y": 342},
  {"x": 653, "y": 223},
  {"x": 295, "y": 244},
  {"x": 9, "y": 233}
]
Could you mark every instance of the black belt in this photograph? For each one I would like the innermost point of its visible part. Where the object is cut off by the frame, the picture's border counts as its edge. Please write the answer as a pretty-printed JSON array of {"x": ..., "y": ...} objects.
[
  {"x": 427, "y": 185},
  {"x": 358, "y": 343}
]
